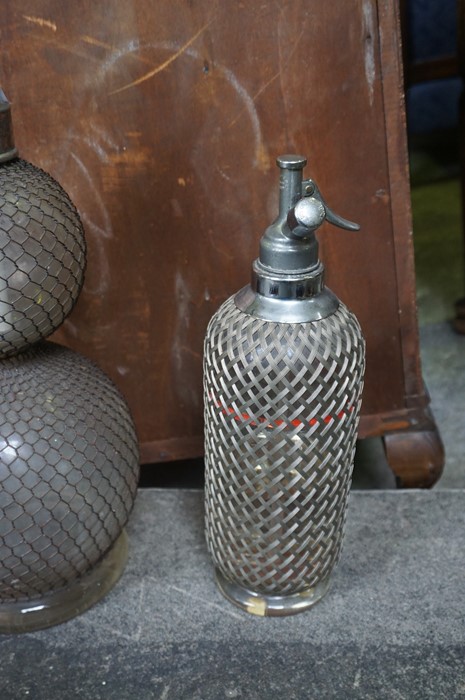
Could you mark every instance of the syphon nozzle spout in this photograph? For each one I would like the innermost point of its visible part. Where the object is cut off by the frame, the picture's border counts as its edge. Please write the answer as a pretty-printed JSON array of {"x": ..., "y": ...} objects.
[{"x": 289, "y": 244}]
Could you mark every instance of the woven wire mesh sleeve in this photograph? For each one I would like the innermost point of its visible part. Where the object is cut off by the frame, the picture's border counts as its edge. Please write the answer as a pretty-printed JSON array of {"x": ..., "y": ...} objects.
[
  {"x": 42, "y": 255},
  {"x": 281, "y": 412},
  {"x": 68, "y": 469}
]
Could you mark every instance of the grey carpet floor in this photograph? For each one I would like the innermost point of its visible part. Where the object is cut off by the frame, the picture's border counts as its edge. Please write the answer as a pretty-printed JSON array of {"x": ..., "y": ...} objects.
[{"x": 443, "y": 360}]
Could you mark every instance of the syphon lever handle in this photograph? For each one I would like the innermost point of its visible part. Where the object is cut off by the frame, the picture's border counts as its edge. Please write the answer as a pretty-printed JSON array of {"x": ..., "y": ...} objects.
[{"x": 310, "y": 212}]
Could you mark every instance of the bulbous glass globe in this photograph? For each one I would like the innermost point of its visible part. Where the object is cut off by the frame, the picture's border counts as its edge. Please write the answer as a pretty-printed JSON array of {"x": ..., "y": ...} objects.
[
  {"x": 68, "y": 477},
  {"x": 42, "y": 255}
]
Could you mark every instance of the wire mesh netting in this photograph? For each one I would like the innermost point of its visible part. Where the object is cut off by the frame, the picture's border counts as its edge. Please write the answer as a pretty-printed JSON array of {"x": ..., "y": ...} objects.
[
  {"x": 42, "y": 255},
  {"x": 281, "y": 413},
  {"x": 68, "y": 469}
]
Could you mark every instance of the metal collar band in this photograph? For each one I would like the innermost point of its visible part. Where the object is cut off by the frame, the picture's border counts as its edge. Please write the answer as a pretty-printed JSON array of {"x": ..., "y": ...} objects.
[
  {"x": 313, "y": 308},
  {"x": 285, "y": 297},
  {"x": 285, "y": 285}
]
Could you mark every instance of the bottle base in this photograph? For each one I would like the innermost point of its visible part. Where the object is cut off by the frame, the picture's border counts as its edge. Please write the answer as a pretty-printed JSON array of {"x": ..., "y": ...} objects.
[
  {"x": 64, "y": 604},
  {"x": 270, "y": 605}
]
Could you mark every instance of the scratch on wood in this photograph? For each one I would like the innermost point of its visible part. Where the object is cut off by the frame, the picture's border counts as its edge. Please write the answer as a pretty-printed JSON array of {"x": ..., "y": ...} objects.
[
  {"x": 41, "y": 22},
  {"x": 189, "y": 351},
  {"x": 106, "y": 231},
  {"x": 370, "y": 66},
  {"x": 271, "y": 80},
  {"x": 255, "y": 97},
  {"x": 48, "y": 39},
  {"x": 117, "y": 53},
  {"x": 96, "y": 42},
  {"x": 163, "y": 65}
]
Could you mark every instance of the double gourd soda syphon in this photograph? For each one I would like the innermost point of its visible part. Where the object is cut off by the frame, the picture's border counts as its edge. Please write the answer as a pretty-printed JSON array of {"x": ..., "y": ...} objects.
[{"x": 283, "y": 376}]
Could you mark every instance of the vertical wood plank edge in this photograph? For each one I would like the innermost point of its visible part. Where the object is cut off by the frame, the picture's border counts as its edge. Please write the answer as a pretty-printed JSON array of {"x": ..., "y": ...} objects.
[{"x": 401, "y": 212}]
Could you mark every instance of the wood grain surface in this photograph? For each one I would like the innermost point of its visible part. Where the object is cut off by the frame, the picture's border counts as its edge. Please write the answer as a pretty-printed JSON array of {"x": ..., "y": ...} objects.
[{"x": 162, "y": 120}]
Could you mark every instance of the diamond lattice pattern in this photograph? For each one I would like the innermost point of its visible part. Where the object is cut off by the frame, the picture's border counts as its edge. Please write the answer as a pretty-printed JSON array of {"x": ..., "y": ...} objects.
[{"x": 281, "y": 411}]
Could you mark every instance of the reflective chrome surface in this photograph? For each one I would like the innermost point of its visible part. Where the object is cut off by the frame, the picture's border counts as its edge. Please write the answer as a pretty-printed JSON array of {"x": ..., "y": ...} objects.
[{"x": 290, "y": 310}]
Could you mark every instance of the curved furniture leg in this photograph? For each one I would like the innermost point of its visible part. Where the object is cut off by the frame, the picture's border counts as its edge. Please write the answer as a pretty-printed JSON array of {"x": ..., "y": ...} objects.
[{"x": 415, "y": 456}]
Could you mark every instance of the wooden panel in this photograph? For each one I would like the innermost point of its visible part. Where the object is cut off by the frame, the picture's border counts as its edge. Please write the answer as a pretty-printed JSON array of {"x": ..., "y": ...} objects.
[{"x": 162, "y": 120}]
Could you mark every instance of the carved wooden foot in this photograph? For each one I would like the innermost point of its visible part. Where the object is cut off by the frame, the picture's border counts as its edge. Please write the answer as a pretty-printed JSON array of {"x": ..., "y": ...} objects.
[{"x": 415, "y": 456}]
